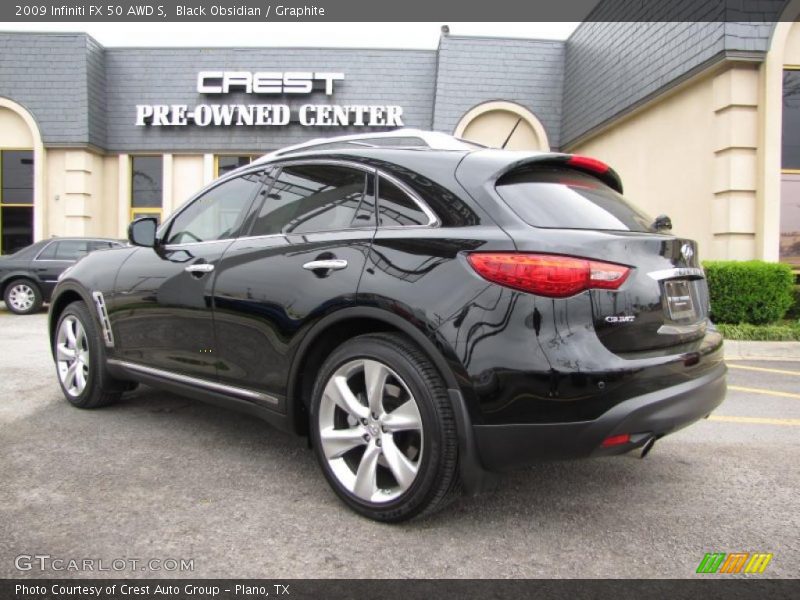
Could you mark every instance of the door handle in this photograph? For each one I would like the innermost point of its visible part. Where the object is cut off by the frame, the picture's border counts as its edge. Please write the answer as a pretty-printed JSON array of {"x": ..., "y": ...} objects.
[
  {"x": 200, "y": 268},
  {"x": 331, "y": 264}
]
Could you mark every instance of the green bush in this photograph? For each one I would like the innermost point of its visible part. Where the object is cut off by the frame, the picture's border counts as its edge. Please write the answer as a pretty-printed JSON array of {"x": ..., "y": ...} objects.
[
  {"x": 780, "y": 332},
  {"x": 749, "y": 291},
  {"x": 794, "y": 309}
]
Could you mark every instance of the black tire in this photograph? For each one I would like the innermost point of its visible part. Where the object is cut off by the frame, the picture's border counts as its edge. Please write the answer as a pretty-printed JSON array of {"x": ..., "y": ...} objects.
[
  {"x": 18, "y": 289},
  {"x": 436, "y": 481},
  {"x": 100, "y": 387}
]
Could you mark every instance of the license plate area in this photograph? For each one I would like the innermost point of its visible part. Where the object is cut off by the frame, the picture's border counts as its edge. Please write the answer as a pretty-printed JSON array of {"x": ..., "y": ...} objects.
[{"x": 680, "y": 301}]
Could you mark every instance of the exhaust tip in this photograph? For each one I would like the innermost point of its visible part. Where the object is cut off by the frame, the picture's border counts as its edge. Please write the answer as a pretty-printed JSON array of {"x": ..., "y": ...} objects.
[{"x": 648, "y": 445}]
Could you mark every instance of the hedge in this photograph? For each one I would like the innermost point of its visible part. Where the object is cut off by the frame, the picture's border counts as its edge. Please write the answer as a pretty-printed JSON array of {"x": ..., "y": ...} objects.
[
  {"x": 794, "y": 309},
  {"x": 752, "y": 291},
  {"x": 788, "y": 331}
]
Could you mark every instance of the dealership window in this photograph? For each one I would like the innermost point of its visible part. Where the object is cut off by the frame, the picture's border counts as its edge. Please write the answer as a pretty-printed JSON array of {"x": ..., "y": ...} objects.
[
  {"x": 16, "y": 200},
  {"x": 226, "y": 163},
  {"x": 147, "y": 185},
  {"x": 315, "y": 198},
  {"x": 790, "y": 168}
]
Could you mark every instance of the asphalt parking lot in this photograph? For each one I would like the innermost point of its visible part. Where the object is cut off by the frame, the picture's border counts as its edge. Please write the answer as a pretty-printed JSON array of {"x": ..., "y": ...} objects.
[{"x": 159, "y": 476}]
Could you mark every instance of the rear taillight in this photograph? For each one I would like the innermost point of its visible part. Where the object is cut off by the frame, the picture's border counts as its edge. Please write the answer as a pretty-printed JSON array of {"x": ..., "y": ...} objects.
[
  {"x": 547, "y": 275},
  {"x": 588, "y": 163},
  {"x": 616, "y": 440}
]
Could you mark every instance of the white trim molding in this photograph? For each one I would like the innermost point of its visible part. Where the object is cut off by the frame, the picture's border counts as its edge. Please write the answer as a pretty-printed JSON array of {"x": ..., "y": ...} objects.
[{"x": 124, "y": 195}]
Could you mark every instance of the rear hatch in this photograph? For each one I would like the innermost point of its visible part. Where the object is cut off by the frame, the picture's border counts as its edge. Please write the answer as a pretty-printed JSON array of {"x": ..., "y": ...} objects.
[{"x": 663, "y": 302}]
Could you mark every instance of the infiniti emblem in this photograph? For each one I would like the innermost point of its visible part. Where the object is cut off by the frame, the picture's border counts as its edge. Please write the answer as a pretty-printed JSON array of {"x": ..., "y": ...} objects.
[{"x": 687, "y": 252}]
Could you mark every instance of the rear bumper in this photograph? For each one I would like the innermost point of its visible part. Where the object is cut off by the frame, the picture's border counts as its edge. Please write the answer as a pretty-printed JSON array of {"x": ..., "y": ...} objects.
[{"x": 501, "y": 447}]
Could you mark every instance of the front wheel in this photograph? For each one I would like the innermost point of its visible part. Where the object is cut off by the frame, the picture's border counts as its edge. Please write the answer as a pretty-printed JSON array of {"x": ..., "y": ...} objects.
[
  {"x": 23, "y": 297},
  {"x": 383, "y": 429},
  {"x": 80, "y": 360}
]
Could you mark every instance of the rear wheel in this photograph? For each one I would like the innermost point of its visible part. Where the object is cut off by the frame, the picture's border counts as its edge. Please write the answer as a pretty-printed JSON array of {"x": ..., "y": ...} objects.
[
  {"x": 383, "y": 429},
  {"x": 23, "y": 297},
  {"x": 80, "y": 360}
]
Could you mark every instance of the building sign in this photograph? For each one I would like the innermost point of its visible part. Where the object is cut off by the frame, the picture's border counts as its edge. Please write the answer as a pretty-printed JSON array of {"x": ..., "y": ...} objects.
[{"x": 265, "y": 83}]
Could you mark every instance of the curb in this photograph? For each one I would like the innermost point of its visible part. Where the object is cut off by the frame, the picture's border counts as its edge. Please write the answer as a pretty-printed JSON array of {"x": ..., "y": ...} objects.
[{"x": 738, "y": 350}]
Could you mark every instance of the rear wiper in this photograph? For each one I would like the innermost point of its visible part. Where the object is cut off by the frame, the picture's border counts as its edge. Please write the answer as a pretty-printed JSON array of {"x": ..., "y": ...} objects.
[{"x": 661, "y": 222}]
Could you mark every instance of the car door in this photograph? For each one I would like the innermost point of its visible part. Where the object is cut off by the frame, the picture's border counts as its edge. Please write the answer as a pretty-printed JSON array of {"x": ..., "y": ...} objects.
[
  {"x": 302, "y": 258},
  {"x": 161, "y": 312},
  {"x": 54, "y": 259}
]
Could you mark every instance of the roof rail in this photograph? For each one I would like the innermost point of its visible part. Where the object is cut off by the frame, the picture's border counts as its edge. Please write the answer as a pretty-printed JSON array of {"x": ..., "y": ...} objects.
[{"x": 398, "y": 138}]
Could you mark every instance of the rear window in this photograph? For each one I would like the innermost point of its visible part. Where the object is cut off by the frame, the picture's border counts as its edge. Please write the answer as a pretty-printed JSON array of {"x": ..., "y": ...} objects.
[
  {"x": 71, "y": 249},
  {"x": 565, "y": 199}
]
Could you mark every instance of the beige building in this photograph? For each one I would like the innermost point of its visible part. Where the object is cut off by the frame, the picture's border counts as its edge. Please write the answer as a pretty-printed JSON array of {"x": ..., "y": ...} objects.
[
  {"x": 714, "y": 142},
  {"x": 709, "y": 153}
]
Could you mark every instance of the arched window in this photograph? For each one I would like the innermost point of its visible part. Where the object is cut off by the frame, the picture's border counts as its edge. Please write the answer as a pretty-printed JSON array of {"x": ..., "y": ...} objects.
[
  {"x": 499, "y": 124},
  {"x": 20, "y": 150}
]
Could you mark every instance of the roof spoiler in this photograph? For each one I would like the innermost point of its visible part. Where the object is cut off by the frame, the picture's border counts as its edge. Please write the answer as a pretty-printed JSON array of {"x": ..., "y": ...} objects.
[{"x": 586, "y": 164}]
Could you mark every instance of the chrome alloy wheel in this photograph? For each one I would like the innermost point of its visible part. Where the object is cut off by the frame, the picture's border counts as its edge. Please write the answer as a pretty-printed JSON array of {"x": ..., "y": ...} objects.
[
  {"x": 72, "y": 356},
  {"x": 21, "y": 296},
  {"x": 370, "y": 430}
]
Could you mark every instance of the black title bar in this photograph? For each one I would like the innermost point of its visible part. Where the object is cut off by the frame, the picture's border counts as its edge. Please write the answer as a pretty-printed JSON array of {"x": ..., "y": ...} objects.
[
  {"x": 442, "y": 589},
  {"x": 407, "y": 10}
]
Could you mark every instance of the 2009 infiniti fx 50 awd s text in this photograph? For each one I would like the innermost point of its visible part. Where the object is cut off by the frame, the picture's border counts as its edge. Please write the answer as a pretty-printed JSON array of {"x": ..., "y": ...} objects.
[{"x": 424, "y": 309}]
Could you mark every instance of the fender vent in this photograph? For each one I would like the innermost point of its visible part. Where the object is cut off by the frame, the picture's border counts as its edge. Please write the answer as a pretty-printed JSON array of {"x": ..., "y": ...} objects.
[{"x": 102, "y": 313}]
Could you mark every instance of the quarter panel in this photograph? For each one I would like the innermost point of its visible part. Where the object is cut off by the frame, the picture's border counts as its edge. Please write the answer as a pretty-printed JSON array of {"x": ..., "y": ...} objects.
[{"x": 422, "y": 276}]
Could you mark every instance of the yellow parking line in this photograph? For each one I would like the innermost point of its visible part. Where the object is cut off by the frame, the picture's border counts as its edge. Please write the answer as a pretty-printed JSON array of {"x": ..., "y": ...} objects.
[
  {"x": 764, "y": 370},
  {"x": 737, "y": 388},
  {"x": 755, "y": 420}
]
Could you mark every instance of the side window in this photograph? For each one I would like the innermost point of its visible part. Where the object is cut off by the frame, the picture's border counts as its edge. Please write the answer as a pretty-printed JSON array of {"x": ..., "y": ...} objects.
[
  {"x": 396, "y": 208},
  {"x": 98, "y": 245},
  {"x": 215, "y": 215},
  {"x": 49, "y": 253},
  {"x": 72, "y": 249},
  {"x": 315, "y": 198}
]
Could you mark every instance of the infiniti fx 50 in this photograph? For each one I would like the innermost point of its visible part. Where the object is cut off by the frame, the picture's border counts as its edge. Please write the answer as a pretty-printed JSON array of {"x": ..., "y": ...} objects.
[{"x": 423, "y": 309}]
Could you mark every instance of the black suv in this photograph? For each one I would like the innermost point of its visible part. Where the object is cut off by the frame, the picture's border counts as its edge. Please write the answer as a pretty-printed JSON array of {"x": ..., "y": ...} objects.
[
  {"x": 28, "y": 276},
  {"x": 423, "y": 309}
]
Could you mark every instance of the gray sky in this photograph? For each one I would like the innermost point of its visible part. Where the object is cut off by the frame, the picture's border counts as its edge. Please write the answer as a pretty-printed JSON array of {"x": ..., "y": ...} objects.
[{"x": 358, "y": 35}]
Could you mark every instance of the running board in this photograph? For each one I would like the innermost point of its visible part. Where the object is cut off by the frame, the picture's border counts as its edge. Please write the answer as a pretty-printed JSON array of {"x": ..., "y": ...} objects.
[{"x": 196, "y": 382}]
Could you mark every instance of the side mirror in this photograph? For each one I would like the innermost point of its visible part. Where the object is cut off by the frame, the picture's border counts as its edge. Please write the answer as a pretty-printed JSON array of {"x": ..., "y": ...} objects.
[{"x": 142, "y": 232}]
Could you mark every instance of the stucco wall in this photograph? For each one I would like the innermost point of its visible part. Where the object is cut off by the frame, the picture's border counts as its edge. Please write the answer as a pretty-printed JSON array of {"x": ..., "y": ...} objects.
[
  {"x": 693, "y": 154},
  {"x": 665, "y": 157},
  {"x": 79, "y": 198},
  {"x": 187, "y": 178},
  {"x": 791, "y": 54},
  {"x": 85, "y": 195},
  {"x": 14, "y": 132}
]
